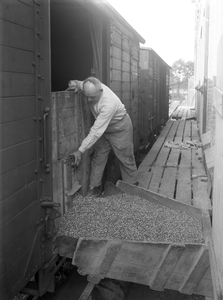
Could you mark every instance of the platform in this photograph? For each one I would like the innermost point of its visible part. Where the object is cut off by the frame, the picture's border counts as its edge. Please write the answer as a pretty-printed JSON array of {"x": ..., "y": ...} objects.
[{"x": 174, "y": 166}]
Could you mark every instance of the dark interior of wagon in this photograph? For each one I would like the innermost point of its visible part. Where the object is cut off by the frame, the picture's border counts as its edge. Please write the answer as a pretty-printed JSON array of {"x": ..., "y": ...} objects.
[{"x": 71, "y": 47}]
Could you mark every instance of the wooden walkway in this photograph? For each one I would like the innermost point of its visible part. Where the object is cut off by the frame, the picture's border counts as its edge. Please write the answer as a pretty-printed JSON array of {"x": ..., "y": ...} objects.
[{"x": 176, "y": 171}]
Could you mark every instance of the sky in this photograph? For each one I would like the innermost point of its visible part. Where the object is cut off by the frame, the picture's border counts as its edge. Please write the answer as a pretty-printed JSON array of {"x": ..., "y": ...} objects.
[{"x": 166, "y": 25}]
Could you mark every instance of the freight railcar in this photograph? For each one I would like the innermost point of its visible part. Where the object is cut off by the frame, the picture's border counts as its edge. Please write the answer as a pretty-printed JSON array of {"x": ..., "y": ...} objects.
[
  {"x": 43, "y": 45},
  {"x": 154, "y": 94}
]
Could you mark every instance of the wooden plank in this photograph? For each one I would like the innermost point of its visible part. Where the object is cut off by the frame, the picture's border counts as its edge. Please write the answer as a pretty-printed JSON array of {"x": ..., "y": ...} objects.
[
  {"x": 116, "y": 52},
  {"x": 16, "y": 36},
  {"x": 15, "y": 60},
  {"x": 196, "y": 273},
  {"x": 17, "y": 179},
  {"x": 112, "y": 250},
  {"x": 166, "y": 267},
  {"x": 15, "y": 158},
  {"x": 183, "y": 266},
  {"x": 205, "y": 287},
  {"x": 206, "y": 139},
  {"x": 13, "y": 133},
  {"x": 194, "y": 129},
  {"x": 209, "y": 158},
  {"x": 200, "y": 194},
  {"x": 173, "y": 130},
  {"x": 12, "y": 109},
  {"x": 180, "y": 129},
  {"x": 187, "y": 130},
  {"x": 26, "y": 218},
  {"x": 66, "y": 100},
  {"x": 168, "y": 182},
  {"x": 116, "y": 63},
  {"x": 25, "y": 197},
  {"x": 10, "y": 256},
  {"x": 17, "y": 13},
  {"x": 116, "y": 75},
  {"x": 87, "y": 291},
  {"x": 159, "y": 199},
  {"x": 144, "y": 177},
  {"x": 162, "y": 156},
  {"x": 183, "y": 189},
  {"x": 173, "y": 158},
  {"x": 216, "y": 277},
  {"x": 185, "y": 158},
  {"x": 17, "y": 84},
  {"x": 166, "y": 128},
  {"x": 197, "y": 159},
  {"x": 157, "y": 173},
  {"x": 151, "y": 156}
]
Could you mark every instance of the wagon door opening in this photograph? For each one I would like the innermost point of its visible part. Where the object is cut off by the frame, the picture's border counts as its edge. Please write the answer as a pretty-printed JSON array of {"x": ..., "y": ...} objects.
[{"x": 71, "y": 46}]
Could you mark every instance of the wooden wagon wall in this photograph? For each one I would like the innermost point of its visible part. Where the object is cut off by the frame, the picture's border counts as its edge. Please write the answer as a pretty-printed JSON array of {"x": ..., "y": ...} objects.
[
  {"x": 154, "y": 94},
  {"x": 124, "y": 72},
  {"x": 71, "y": 121}
]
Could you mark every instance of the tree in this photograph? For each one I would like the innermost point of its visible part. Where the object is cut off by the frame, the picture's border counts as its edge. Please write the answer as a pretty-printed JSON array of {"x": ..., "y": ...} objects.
[{"x": 181, "y": 71}]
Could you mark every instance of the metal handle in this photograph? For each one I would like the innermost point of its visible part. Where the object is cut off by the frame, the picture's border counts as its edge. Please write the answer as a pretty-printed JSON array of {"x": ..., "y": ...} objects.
[{"x": 46, "y": 165}]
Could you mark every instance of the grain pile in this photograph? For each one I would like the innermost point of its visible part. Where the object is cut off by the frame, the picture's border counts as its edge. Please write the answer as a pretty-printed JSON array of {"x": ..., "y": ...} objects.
[{"x": 128, "y": 218}]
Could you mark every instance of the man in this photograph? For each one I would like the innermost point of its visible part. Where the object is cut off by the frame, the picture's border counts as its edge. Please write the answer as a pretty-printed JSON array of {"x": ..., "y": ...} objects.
[{"x": 112, "y": 129}]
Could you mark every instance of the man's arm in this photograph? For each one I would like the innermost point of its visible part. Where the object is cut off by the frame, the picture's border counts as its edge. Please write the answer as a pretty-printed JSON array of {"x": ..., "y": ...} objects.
[{"x": 75, "y": 85}]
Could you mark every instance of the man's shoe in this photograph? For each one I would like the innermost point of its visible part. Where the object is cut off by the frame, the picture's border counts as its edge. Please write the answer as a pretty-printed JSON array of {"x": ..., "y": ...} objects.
[{"x": 95, "y": 191}]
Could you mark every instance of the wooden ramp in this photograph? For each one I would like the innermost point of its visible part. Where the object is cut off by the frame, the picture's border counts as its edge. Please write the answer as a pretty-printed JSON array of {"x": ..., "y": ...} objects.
[{"x": 176, "y": 266}]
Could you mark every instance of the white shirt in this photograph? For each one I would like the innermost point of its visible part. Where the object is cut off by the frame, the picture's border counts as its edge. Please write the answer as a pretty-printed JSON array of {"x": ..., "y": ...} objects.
[{"x": 108, "y": 110}]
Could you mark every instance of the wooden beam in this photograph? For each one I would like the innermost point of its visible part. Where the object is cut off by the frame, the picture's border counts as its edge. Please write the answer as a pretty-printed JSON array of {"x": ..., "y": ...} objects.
[
  {"x": 166, "y": 267},
  {"x": 159, "y": 199},
  {"x": 197, "y": 271}
]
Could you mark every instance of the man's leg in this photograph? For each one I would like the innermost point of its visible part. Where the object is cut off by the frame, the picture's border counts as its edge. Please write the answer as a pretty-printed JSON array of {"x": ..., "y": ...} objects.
[
  {"x": 100, "y": 157},
  {"x": 121, "y": 141}
]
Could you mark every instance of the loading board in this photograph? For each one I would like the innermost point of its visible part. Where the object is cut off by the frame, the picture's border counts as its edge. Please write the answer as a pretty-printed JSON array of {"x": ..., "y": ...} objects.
[
  {"x": 160, "y": 265},
  {"x": 174, "y": 166}
]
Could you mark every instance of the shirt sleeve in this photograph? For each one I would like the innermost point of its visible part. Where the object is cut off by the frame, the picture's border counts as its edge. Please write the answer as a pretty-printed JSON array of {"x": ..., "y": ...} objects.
[{"x": 100, "y": 125}]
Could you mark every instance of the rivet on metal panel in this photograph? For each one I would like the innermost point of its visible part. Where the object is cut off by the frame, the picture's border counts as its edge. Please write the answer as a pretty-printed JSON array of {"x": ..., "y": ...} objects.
[
  {"x": 34, "y": 119},
  {"x": 42, "y": 222},
  {"x": 33, "y": 64},
  {"x": 38, "y": 33},
  {"x": 40, "y": 119},
  {"x": 35, "y": 171},
  {"x": 40, "y": 139},
  {"x": 39, "y": 76},
  {"x": 37, "y": 222},
  {"x": 41, "y": 180},
  {"x": 40, "y": 160}
]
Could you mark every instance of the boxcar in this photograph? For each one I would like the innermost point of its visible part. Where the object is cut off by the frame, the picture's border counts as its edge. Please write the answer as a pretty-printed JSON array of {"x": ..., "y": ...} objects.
[
  {"x": 43, "y": 45},
  {"x": 154, "y": 94}
]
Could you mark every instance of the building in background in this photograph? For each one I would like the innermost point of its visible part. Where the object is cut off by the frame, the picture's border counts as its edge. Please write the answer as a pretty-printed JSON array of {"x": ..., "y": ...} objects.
[{"x": 209, "y": 107}]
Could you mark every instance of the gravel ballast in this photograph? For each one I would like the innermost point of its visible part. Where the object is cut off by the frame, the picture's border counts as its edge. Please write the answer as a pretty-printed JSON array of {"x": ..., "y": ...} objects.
[{"x": 128, "y": 217}]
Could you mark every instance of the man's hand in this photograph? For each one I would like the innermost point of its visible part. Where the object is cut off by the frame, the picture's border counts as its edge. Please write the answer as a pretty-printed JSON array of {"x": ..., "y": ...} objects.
[
  {"x": 72, "y": 86},
  {"x": 77, "y": 157}
]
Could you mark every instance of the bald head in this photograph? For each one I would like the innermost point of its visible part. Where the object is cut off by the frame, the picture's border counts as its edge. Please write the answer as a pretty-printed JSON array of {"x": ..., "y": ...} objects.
[{"x": 92, "y": 89}]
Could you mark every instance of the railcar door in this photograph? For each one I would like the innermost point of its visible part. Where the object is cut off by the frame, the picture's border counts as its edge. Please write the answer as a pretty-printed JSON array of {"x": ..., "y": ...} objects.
[{"x": 25, "y": 147}]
